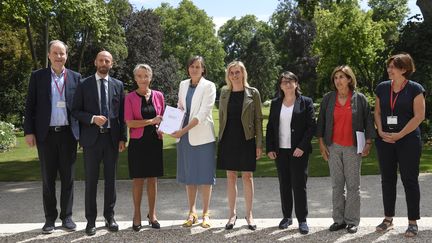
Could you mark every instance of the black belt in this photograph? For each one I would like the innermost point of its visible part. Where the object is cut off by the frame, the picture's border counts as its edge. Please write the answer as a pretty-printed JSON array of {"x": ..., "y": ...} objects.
[
  {"x": 58, "y": 128},
  {"x": 104, "y": 130}
]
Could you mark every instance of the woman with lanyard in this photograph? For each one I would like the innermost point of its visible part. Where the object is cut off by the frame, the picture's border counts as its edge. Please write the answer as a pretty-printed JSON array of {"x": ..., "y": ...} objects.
[{"x": 399, "y": 110}]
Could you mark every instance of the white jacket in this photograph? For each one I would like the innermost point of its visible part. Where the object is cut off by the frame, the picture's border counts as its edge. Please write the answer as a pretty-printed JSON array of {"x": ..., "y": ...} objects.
[{"x": 201, "y": 108}]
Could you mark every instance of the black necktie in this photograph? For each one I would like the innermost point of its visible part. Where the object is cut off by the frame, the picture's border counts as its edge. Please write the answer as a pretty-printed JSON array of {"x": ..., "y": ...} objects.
[{"x": 103, "y": 101}]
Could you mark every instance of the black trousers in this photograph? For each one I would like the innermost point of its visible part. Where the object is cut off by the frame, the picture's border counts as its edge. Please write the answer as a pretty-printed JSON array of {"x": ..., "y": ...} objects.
[
  {"x": 405, "y": 153},
  {"x": 292, "y": 174},
  {"x": 57, "y": 154},
  {"x": 102, "y": 150}
]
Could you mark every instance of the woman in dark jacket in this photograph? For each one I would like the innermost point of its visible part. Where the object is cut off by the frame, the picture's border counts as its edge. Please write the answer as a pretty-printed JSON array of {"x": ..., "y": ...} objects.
[
  {"x": 290, "y": 129},
  {"x": 343, "y": 113}
]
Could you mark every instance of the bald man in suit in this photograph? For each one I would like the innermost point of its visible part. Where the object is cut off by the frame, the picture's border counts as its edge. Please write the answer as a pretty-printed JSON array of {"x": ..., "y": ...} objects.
[{"x": 98, "y": 105}]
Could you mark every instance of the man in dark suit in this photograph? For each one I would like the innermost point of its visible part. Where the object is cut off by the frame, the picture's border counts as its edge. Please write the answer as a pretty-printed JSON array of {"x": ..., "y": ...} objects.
[
  {"x": 98, "y": 105},
  {"x": 48, "y": 124}
]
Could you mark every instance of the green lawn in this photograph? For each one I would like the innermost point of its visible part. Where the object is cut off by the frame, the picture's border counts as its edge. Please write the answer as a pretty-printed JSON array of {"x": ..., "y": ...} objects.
[{"x": 21, "y": 163}]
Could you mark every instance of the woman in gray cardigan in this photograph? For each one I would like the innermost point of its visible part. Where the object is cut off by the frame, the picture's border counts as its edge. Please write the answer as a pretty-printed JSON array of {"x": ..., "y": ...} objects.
[{"x": 344, "y": 112}]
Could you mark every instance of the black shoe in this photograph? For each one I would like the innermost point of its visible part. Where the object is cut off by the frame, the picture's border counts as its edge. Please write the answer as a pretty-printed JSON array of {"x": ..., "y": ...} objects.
[
  {"x": 352, "y": 228},
  {"x": 68, "y": 224},
  {"x": 48, "y": 227},
  {"x": 303, "y": 228},
  {"x": 337, "y": 226},
  {"x": 111, "y": 224},
  {"x": 285, "y": 222},
  {"x": 251, "y": 226},
  {"x": 155, "y": 224},
  {"x": 136, "y": 227},
  {"x": 90, "y": 229},
  {"x": 230, "y": 226}
]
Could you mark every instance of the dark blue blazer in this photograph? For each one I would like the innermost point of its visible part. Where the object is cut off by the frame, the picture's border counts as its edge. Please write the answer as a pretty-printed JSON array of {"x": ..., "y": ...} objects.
[
  {"x": 86, "y": 105},
  {"x": 303, "y": 125},
  {"x": 38, "y": 104}
]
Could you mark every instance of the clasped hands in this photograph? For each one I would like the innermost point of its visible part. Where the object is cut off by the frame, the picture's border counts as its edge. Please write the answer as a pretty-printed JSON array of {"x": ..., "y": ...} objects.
[{"x": 390, "y": 137}]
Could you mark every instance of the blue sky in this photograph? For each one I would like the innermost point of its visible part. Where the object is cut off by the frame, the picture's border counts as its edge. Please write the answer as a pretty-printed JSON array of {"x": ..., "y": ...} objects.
[{"x": 223, "y": 10}]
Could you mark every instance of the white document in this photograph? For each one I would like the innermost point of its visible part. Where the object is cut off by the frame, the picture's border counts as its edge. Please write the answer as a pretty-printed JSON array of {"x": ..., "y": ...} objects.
[
  {"x": 172, "y": 120},
  {"x": 361, "y": 141}
]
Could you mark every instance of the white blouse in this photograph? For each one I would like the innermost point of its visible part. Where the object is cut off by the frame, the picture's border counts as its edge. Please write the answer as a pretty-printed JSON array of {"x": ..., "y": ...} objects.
[{"x": 285, "y": 126}]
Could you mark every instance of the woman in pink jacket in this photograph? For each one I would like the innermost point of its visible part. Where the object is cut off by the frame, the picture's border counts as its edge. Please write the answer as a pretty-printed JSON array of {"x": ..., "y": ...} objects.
[{"x": 143, "y": 112}]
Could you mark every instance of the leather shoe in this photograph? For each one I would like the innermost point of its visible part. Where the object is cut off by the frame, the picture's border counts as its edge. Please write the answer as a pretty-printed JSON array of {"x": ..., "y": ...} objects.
[
  {"x": 352, "y": 228},
  {"x": 48, "y": 227},
  {"x": 303, "y": 228},
  {"x": 69, "y": 224},
  {"x": 337, "y": 226},
  {"x": 111, "y": 224},
  {"x": 90, "y": 229},
  {"x": 285, "y": 222}
]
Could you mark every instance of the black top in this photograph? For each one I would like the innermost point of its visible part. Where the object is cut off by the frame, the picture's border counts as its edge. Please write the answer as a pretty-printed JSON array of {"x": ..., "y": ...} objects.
[
  {"x": 148, "y": 112},
  {"x": 403, "y": 108}
]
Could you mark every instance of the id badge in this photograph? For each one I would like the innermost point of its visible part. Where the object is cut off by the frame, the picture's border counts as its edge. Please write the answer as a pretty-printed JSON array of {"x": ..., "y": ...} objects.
[
  {"x": 61, "y": 104},
  {"x": 392, "y": 120}
]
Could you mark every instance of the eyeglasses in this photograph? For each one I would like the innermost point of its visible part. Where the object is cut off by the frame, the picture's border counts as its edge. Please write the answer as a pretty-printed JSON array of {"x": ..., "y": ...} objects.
[{"x": 286, "y": 80}]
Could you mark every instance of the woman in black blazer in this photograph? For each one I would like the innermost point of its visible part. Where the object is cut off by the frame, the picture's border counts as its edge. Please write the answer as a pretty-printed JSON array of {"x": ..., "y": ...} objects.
[{"x": 290, "y": 129}]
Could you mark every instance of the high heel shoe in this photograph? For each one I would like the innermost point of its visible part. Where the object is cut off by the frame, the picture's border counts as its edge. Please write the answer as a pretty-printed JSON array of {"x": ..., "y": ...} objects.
[
  {"x": 136, "y": 228},
  {"x": 251, "y": 226},
  {"x": 205, "y": 223},
  {"x": 191, "y": 220},
  {"x": 154, "y": 224},
  {"x": 229, "y": 225}
]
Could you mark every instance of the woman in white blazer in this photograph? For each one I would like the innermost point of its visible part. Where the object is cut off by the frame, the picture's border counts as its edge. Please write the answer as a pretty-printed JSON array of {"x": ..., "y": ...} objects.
[{"x": 196, "y": 147}]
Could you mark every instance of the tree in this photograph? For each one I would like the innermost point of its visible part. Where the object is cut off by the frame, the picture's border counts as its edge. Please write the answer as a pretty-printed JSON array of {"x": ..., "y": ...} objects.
[
  {"x": 15, "y": 67},
  {"x": 293, "y": 37},
  {"x": 144, "y": 44},
  {"x": 261, "y": 62},
  {"x": 348, "y": 35},
  {"x": 415, "y": 39},
  {"x": 189, "y": 31},
  {"x": 426, "y": 9},
  {"x": 237, "y": 34}
]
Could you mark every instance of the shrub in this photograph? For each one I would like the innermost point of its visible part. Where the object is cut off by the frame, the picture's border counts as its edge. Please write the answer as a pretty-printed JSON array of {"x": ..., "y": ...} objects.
[{"x": 7, "y": 136}]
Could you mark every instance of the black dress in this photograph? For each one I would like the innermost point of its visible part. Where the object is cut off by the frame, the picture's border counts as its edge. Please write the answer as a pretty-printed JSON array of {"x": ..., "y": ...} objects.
[
  {"x": 234, "y": 151},
  {"x": 145, "y": 153}
]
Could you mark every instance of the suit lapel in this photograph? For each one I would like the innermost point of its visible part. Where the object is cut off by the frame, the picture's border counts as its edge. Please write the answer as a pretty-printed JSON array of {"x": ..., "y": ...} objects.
[
  {"x": 296, "y": 109},
  {"x": 198, "y": 91},
  {"x": 110, "y": 93},
  {"x": 47, "y": 83},
  {"x": 94, "y": 92},
  {"x": 278, "y": 106}
]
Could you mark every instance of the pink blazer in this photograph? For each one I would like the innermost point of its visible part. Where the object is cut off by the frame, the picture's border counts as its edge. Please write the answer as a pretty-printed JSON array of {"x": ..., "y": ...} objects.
[{"x": 132, "y": 110}]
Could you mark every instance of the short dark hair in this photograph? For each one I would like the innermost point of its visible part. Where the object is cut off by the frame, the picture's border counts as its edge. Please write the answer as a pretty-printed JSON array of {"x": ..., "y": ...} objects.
[
  {"x": 196, "y": 58},
  {"x": 288, "y": 75},
  {"x": 57, "y": 42},
  {"x": 403, "y": 61}
]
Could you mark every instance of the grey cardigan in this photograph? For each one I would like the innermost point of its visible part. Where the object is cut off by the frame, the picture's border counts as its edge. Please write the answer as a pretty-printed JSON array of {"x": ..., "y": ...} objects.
[{"x": 361, "y": 117}]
